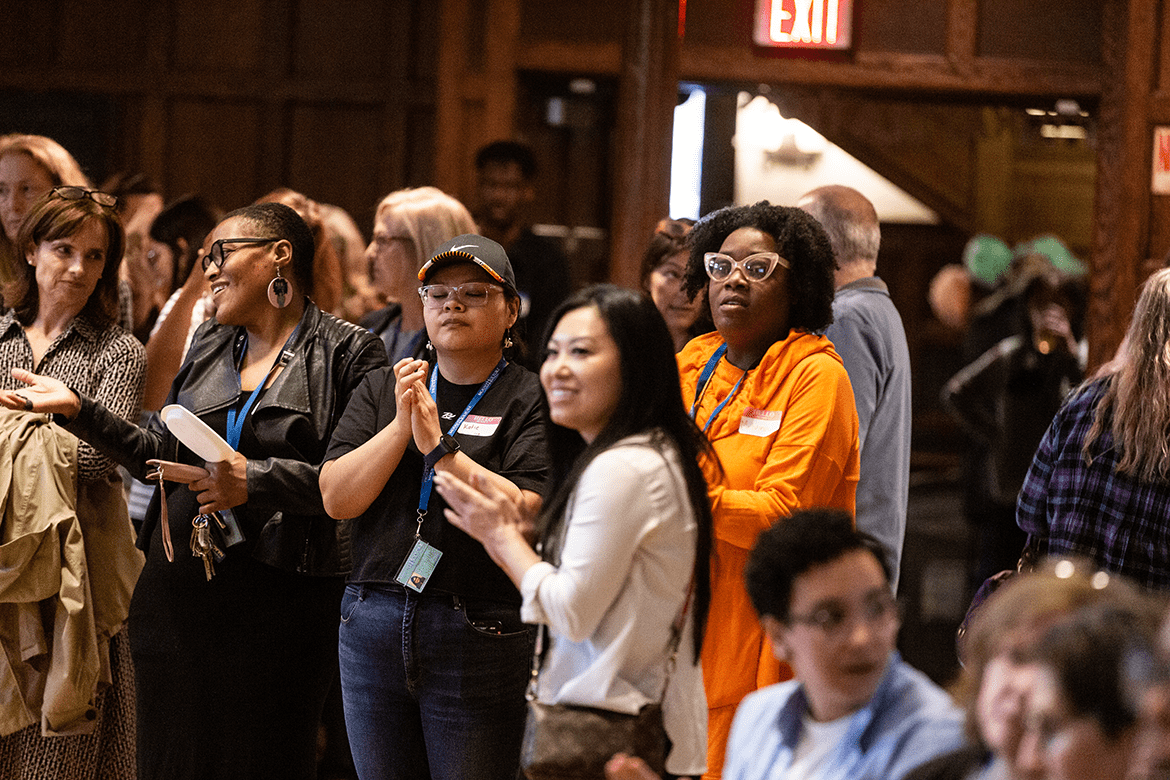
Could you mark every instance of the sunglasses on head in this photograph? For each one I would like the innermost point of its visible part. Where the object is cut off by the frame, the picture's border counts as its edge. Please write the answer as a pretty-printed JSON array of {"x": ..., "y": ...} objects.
[{"x": 81, "y": 193}]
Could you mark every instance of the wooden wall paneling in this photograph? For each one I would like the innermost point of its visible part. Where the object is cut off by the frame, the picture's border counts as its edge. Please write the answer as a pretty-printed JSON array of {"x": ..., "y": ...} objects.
[
  {"x": 1159, "y": 253},
  {"x": 387, "y": 160},
  {"x": 221, "y": 37},
  {"x": 215, "y": 149},
  {"x": 110, "y": 38},
  {"x": 1124, "y": 148},
  {"x": 418, "y": 145},
  {"x": 592, "y": 21},
  {"x": 146, "y": 140},
  {"x": 927, "y": 149},
  {"x": 462, "y": 161},
  {"x": 1050, "y": 30},
  {"x": 994, "y": 152},
  {"x": 647, "y": 95},
  {"x": 331, "y": 148},
  {"x": 476, "y": 86},
  {"x": 275, "y": 130},
  {"x": 571, "y": 57},
  {"x": 1160, "y": 115},
  {"x": 30, "y": 33},
  {"x": 918, "y": 26},
  {"x": 345, "y": 39},
  {"x": 1052, "y": 192},
  {"x": 449, "y": 131},
  {"x": 719, "y": 22},
  {"x": 962, "y": 33},
  {"x": 278, "y": 95},
  {"x": 146, "y": 137}
]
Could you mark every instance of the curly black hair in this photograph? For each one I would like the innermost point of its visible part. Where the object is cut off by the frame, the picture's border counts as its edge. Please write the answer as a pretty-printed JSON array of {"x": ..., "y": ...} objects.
[
  {"x": 796, "y": 544},
  {"x": 800, "y": 240}
]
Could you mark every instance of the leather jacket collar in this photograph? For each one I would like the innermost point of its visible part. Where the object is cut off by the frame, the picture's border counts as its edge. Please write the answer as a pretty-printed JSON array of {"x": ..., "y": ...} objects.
[{"x": 219, "y": 384}]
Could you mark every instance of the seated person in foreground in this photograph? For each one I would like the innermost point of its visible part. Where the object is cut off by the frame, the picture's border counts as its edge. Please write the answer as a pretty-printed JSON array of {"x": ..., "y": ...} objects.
[{"x": 855, "y": 709}]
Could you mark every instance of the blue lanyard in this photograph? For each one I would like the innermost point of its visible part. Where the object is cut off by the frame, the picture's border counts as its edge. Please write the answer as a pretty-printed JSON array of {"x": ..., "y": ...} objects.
[
  {"x": 424, "y": 497},
  {"x": 235, "y": 422},
  {"x": 704, "y": 378}
]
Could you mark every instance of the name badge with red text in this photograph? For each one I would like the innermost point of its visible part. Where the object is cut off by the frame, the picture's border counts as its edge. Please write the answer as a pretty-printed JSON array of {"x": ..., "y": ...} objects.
[
  {"x": 759, "y": 422},
  {"x": 478, "y": 425}
]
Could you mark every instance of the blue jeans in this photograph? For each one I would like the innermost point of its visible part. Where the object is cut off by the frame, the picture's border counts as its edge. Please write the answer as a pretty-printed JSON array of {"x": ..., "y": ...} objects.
[{"x": 433, "y": 684}]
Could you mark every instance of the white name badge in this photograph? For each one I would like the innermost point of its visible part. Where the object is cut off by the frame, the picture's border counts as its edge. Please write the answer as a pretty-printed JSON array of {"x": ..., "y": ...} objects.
[
  {"x": 478, "y": 425},
  {"x": 759, "y": 422}
]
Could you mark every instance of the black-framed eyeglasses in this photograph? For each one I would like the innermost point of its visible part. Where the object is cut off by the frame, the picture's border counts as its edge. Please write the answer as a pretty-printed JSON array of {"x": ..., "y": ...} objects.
[
  {"x": 216, "y": 255},
  {"x": 81, "y": 193},
  {"x": 756, "y": 268}
]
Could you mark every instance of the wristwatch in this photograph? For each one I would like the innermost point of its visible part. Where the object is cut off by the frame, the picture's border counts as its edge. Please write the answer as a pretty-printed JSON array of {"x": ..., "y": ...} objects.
[{"x": 447, "y": 445}]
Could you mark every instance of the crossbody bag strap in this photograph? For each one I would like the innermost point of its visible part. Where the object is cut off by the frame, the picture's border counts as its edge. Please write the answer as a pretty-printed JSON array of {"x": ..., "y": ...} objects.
[{"x": 676, "y": 632}]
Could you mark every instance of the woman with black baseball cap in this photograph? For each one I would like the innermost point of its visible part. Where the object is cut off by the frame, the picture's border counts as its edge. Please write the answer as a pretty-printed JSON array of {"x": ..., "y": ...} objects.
[{"x": 434, "y": 657}]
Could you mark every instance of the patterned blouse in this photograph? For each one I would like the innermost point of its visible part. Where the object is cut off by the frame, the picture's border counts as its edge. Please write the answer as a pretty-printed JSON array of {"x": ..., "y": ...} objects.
[{"x": 107, "y": 364}]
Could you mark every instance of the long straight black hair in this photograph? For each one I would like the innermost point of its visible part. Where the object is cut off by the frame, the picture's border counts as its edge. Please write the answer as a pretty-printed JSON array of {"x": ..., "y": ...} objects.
[{"x": 650, "y": 403}]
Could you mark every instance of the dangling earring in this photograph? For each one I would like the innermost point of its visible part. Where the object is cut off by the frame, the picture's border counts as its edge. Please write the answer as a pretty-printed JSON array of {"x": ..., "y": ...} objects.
[
  {"x": 278, "y": 290},
  {"x": 429, "y": 347},
  {"x": 508, "y": 339}
]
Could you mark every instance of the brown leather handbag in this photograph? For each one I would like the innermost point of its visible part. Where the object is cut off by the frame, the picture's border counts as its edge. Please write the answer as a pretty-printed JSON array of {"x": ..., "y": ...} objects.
[
  {"x": 574, "y": 742},
  {"x": 570, "y": 742}
]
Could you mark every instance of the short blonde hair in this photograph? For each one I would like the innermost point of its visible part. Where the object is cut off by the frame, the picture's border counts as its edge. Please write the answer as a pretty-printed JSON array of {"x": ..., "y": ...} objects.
[{"x": 431, "y": 217}]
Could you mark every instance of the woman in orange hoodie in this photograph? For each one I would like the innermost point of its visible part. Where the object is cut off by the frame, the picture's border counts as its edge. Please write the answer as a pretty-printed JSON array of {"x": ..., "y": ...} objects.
[{"x": 774, "y": 399}]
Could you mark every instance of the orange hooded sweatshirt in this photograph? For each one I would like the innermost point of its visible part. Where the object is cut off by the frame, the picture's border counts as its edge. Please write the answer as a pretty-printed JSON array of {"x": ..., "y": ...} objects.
[{"x": 787, "y": 440}]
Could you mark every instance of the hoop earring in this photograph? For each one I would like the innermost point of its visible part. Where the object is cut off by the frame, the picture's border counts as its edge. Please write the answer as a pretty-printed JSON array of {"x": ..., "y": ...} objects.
[{"x": 278, "y": 291}]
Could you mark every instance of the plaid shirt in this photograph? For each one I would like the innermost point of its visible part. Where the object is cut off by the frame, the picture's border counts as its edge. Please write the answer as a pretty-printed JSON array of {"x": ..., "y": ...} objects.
[{"x": 1088, "y": 509}]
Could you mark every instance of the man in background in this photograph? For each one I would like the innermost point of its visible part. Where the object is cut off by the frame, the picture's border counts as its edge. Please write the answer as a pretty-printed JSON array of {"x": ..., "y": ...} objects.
[
  {"x": 868, "y": 335},
  {"x": 505, "y": 177}
]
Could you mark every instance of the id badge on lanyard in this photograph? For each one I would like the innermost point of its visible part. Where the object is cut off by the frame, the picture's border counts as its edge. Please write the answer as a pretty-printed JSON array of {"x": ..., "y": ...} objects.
[{"x": 420, "y": 563}]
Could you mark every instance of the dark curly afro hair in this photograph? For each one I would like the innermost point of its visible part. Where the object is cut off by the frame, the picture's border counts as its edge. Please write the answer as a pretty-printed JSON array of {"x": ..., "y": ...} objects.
[{"x": 800, "y": 239}]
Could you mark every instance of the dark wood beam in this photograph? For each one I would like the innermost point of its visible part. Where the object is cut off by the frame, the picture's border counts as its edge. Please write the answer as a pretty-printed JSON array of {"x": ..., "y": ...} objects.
[
  {"x": 1124, "y": 148},
  {"x": 647, "y": 95},
  {"x": 930, "y": 74}
]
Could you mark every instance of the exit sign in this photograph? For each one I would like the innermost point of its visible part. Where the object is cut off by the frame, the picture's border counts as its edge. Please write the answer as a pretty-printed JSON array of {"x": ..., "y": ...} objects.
[{"x": 804, "y": 24}]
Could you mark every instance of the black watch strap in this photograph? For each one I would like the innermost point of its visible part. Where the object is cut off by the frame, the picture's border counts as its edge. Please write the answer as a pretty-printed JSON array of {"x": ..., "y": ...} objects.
[{"x": 447, "y": 445}]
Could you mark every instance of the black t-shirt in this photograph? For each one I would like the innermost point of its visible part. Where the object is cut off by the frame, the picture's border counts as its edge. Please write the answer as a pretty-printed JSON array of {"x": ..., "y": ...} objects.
[{"x": 504, "y": 433}]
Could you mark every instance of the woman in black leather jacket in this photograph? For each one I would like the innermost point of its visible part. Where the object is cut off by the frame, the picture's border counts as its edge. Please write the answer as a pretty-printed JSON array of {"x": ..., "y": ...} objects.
[{"x": 234, "y": 655}]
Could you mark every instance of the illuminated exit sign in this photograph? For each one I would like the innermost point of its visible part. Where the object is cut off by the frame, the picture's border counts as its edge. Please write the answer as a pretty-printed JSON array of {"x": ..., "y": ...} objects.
[{"x": 804, "y": 24}]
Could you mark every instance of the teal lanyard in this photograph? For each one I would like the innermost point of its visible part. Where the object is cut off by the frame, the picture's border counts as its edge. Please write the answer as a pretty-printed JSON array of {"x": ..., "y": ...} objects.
[
  {"x": 235, "y": 422},
  {"x": 424, "y": 497},
  {"x": 704, "y": 378}
]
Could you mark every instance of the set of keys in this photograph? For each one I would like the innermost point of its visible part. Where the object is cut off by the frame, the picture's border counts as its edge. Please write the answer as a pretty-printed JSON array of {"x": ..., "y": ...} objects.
[{"x": 202, "y": 545}]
